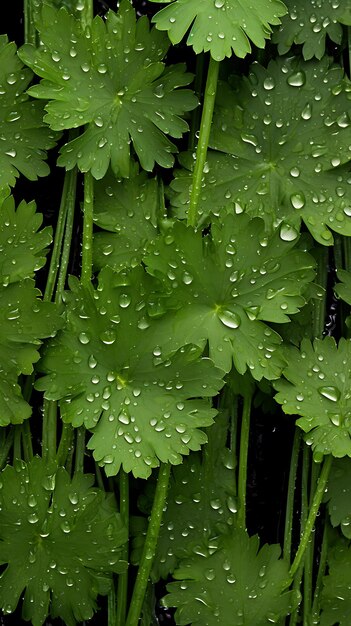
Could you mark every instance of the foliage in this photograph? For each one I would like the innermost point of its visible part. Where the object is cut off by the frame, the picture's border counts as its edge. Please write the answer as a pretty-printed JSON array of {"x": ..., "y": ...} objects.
[
  {"x": 336, "y": 588},
  {"x": 232, "y": 581},
  {"x": 339, "y": 496},
  {"x": 112, "y": 79},
  {"x": 47, "y": 521}
]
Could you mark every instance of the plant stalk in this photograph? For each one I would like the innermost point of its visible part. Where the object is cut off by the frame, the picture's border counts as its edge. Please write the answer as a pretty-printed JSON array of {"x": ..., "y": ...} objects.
[
  {"x": 243, "y": 455},
  {"x": 150, "y": 545},
  {"x": 317, "y": 499},
  {"x": 87, "y": 251},
  {"x": 204, "y": 137},
  {"x": 289, "y": 512},
  {"x": 122, "y": 589}
]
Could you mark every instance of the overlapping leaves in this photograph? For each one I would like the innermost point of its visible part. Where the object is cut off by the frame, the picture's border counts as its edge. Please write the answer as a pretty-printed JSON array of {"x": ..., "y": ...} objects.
[
  {"x": 317, "y": 387},
  {"x": 222, "y": 288},
  {"x": 112, "y": 79},
  {"x": 201, "y": 499},
  {"x": 282, "y": 141},
  {"x": 220, "y": 26},
  {"x": 128, "y": 209},
  {"x": 336, "y": 594},
  {"x": 24, "y": 136},
  {"x": 106, "y": 368},
  {"x": 22, "y": 247},
  {"x": 60, "y": 542},
  {"x": 232, "y": 582},
  {"x": 309, "y": 22}
]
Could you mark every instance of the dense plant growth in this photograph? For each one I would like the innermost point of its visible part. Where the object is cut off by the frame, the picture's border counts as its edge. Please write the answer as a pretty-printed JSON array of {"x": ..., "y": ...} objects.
[{"x": 213, "y": 206}]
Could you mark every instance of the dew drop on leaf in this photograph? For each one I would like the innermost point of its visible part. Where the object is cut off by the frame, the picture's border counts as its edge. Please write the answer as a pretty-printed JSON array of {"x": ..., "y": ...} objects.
[
  {"x": 229, "y": 318},
  {"x": 288, "y": 233},
  {"x": 330, "y": 392},
  {"x": 297, "y": 79},
  {"x": 83, "y": 338}
]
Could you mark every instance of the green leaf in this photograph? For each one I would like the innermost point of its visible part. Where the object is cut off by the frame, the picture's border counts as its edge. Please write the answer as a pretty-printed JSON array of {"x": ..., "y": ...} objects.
[
  {"x": 106, "y": 369},
  {"x": 47, "y": 520},
  {"x": 220, "y": 26},
  {"x": 128, "y": 209},
  {"x": 308, "y": 22},
  {"x": 343, "y": 289},
  {"x": 222, "y": 289},
  {"x": 338, "y": 495},
  {"x": 24, "y": 321},
  {"x": 111, "y": 79},
  {"x": 317, "y": 387},
  {"x": 22, "y": 248},
  {"x": 336, "y": 592},
  {"x": 24, "y": 136},
  {"x": 232, "y": 582},
  {"x": 201, "y": 499},
  {"x": 281, "y": 141}
]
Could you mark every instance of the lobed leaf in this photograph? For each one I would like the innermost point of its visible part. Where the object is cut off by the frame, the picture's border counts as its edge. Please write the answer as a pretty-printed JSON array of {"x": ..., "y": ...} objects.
[
  {"x": 281, "y": 144},
  {"x": 220, "y": 26},
  {"x": 338, "y": 495},
  {"x": 317, "y": 387},
  {"x": 309, "y": 23},
  {"x": 110, "y": 79},
  {"x": 106, "y": 369},
  {"x": 24, "y": 321},
  {"x": 232, "y": 582},
  {"x": 223, "y": 288},
  {"x": 336, "y": 592},
  {"x": 24, "y": 136},
  {"x": 23, "y": 249},
  {"x": 47, "y": 520},
  {"x": 128, "y": 209}
]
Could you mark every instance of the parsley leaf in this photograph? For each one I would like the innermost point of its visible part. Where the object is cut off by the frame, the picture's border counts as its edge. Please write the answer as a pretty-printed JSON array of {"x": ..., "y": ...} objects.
[
  {"x": 281, "y": 140},
  {"x": 336, "y": 592},
  {"x": 24, "y": 321},
  {"x": 112, "y": 79},
  {"x": 308, "y": 23},
  {"x": 128, "y": 209},
  {"x": 47, "y": 520},
  {"x": 232, "y": 582},
  {"x": 106, "y": 369},
  {"x": 222, "y": 288},
  {"x": 343, "y": 289},
  {"x": 24, "y": 136},
  {"x": 220, "y": 26},
  {"x": 338, "y": 495},
  {"x": 22, "y": 248},
  {"x": 317, "y": 387}
]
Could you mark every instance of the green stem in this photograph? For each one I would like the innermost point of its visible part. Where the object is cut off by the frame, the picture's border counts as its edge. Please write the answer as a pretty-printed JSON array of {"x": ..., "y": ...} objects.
[
  {"x": 87, "y": 13},
  {"x": 111, "y": 606},
  {"x": 87, "y": 251},
  {"x": 49, "y": 430},
  {"x": 79, "y": 450},
  {"x": 320, "y": 575},
  {"x": 30, "y": 33},
  {"x": 27, "y": 441},
  {"x": 202, "y": 146},
  {"x": 122, "y": 590},
  {"x": 195, "y": 115},
  {"x": 17, "y": 450},
  {"x": 243, "y": 454},
  {"x": 150, "y": 545},
  {"x": 6, "y": 447},
  {"x": 65, "y": 445},
  {"x": 317, "y": 499},
  {"x": 321, "y": 255},
  {"x": 70, "y": 200},
  {"x": 309, "y": 555},
  {"x": 289, "y": 512}
]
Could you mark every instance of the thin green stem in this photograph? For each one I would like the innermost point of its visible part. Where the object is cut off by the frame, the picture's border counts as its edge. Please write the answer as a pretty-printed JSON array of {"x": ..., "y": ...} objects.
[
  {"x": 195, "y": 115},
  {"x": 57, "y": 245},
  {"x": 49, "y": 430},
  {"x": 320, "y": 575},
  {"x": 111, "y": 606},
  {"x": 87, "y": 13},
  {"x": 30, "y": 33},
  {"x": 65, "y": 445},
  {"x": 289, "y": 512},
  {"x": 122, "y": 589},
  {"x": 79, "y": 450},
  {"x": 243, "y": 455},
  {"x": 27, "y": 441},
  {"x": 309, "y": 555},
  {"x": 321, "y": 254},
  {"x": 17, "y": 449},
  {"x": 317, "y": 499},
  {"x": 67, "y": 239},
  {"x": 202, "y": 146},
  {"x": 6, "y": 447},
  {"x": 150, "y": 545},
  {"x": 87, "y": 251}
]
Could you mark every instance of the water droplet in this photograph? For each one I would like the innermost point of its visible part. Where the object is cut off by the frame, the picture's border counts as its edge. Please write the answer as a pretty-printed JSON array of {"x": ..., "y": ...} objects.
[
  {"x": 298, "y": 200},
  {"x": 124, "y": 300},
  {"x": 288, "y": 233},
  {"x": 229, "y": 318},
  {"x": 297, "y": 79},
  {"x": 306, "y": 113},
  {"x": 84, "y": 338},
  {"x": 269, "y": 83},
  {"x": 330, "y": 392}
]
